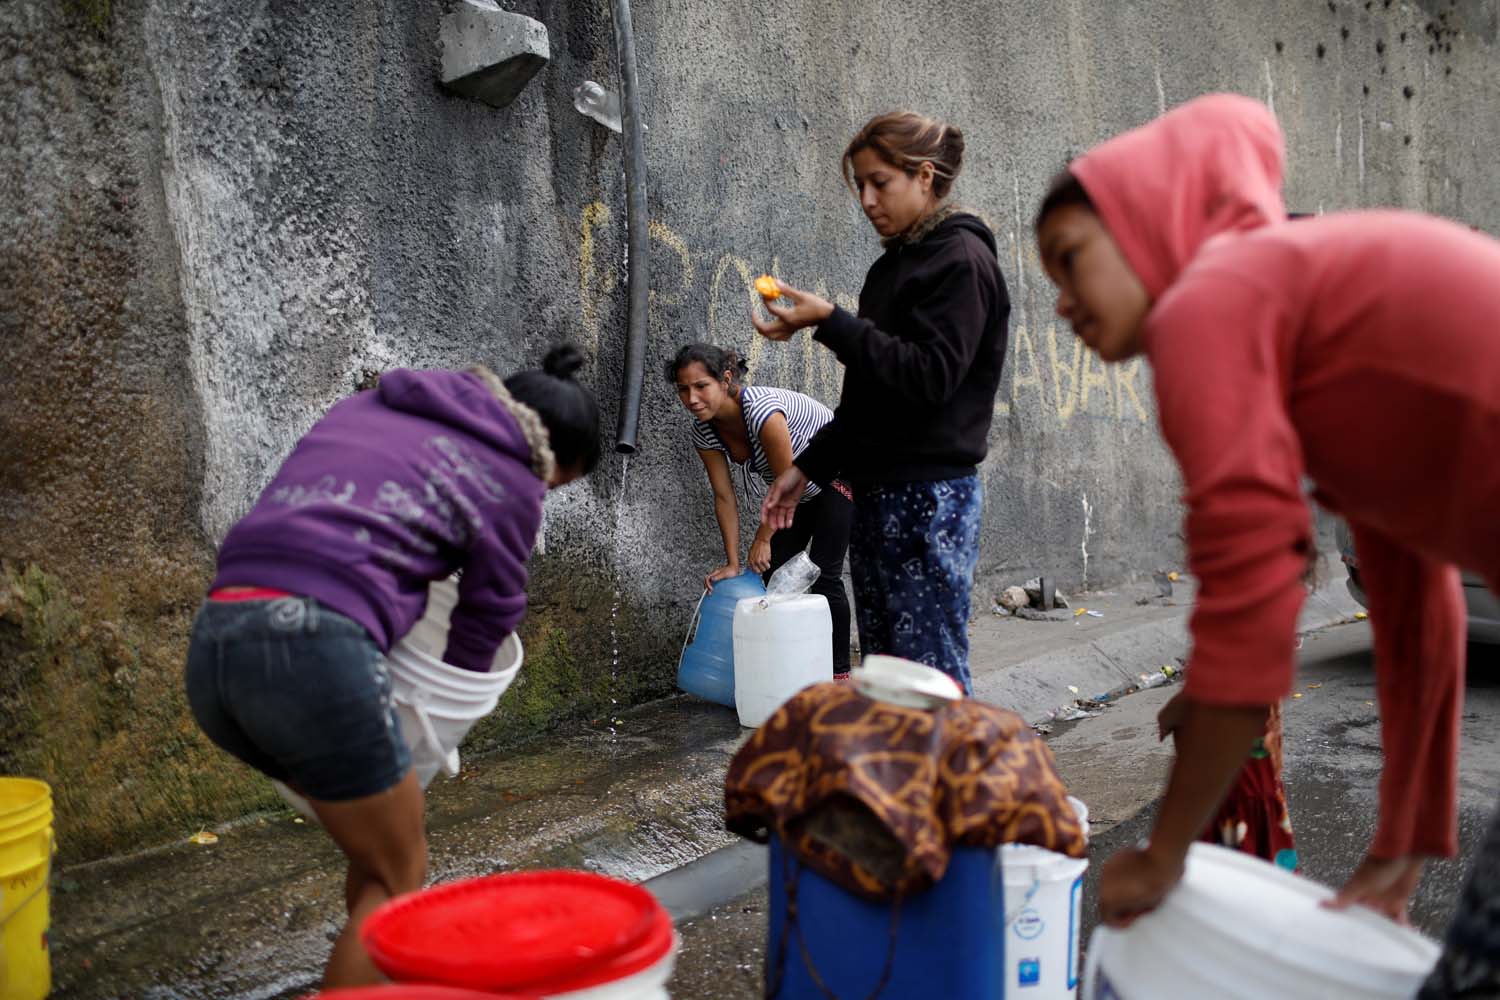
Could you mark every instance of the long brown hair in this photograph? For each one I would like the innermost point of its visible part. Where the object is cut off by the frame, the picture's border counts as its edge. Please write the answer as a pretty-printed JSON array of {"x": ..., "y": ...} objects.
[{"x": 906, "y": 140}]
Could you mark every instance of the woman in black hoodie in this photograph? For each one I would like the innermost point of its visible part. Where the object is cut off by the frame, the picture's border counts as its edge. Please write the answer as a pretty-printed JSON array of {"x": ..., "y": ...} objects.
[{"x": 922, "y": 363}]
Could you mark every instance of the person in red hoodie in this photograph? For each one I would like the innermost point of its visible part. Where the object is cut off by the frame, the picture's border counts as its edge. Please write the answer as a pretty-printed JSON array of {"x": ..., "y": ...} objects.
[{"x": 1357, "y": 349}]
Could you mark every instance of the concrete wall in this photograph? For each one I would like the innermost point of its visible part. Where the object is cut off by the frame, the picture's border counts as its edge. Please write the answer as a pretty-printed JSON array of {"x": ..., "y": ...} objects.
[{"x": 218, "y": 215}]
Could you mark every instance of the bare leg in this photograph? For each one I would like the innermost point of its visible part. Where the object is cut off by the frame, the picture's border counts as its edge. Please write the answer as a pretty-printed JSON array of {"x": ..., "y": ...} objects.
[{"x": 383, "y": 837}]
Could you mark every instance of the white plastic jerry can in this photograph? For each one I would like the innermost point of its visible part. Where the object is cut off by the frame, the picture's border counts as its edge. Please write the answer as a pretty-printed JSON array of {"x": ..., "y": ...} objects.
[{"x": 781, "y": 645}]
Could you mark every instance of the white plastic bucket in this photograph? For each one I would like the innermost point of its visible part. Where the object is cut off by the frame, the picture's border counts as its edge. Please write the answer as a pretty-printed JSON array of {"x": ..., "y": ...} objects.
[
  {"x": 1240, "y": 927},
  {"x": 903, "y": 682},
  {"x": 1043, "y": 913},
  {"x": 436, "y": 703},
  {"x": 781, "y": 646},
  {"x": 648, "y": 984}
]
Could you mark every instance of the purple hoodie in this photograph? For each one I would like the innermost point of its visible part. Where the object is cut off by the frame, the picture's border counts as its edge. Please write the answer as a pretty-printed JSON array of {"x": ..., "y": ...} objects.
[{"x": 394, "y": 488}]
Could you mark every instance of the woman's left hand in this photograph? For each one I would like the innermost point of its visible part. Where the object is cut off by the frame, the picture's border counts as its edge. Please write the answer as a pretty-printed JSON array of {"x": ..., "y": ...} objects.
[
  {"x": 760, "y": 555},
  {"x": 1134, "y": 882},
  {"x": 1170, "y": 716},
  {"x": 1382, "y": 884},
  {"x": 806, "y": 309}
]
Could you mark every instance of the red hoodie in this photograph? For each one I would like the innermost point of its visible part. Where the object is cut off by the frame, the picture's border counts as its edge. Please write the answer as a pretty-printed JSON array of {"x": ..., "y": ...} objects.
[{"x": 1361, "y": 350}]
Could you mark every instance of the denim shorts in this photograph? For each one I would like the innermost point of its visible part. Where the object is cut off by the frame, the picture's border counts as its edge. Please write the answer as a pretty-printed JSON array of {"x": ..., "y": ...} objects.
[{"x": 299, "y": 692}]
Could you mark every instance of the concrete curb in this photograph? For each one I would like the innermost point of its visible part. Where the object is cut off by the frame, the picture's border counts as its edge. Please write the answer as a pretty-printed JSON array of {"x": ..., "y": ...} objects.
[
  {"x": 1036, "y": 687},
  {"x": 642, "y": 801},
  {"x": 1042, "y": 685}
]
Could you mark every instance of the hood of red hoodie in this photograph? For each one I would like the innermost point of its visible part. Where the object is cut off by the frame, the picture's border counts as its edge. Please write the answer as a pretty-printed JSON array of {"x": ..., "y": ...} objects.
[{"x": 1213, "y": 165}]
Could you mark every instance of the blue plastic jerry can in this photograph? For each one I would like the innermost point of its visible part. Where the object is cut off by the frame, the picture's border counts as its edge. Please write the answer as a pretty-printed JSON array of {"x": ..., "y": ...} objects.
[{"x": 707, "y": 665}]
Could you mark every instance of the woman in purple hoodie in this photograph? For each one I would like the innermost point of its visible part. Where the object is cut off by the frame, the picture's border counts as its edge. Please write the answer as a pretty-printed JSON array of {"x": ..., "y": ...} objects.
[{"x": 428, "y": 473}]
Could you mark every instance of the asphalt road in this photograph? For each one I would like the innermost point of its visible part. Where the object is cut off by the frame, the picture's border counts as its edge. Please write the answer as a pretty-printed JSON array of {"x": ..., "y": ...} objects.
[{"x": 1114, "y": 763}]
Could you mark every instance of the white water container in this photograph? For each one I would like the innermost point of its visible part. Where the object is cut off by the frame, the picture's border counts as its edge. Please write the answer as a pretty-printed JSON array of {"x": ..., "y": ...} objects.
[
  {"x": 904, "y": 682},
  {"x": 436, "y": 703},
  {"x": 1240, "y": 928},
  {"x": 781, "y": 645},
  {"x": 648, "y": 984},
  {"x": 1043, "y": 913}
]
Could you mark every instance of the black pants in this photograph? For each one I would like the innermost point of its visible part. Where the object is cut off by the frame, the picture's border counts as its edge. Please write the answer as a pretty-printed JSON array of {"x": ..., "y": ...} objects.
[
  {"x": 1470, "y": 963},
  {"x": 825, "y": 521}
]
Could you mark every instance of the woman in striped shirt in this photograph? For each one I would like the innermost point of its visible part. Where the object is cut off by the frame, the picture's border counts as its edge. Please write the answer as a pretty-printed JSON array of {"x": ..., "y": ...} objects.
[{"x": 753, "y": 433}]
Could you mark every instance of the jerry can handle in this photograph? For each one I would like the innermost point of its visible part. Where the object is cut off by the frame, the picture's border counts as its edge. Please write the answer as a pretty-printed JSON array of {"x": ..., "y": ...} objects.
[{"x": 692, "y": 630}]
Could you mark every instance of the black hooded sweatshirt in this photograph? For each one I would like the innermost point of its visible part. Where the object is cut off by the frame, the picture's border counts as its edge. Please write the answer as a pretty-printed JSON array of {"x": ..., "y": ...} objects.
[{"x": 922, "y": 361}]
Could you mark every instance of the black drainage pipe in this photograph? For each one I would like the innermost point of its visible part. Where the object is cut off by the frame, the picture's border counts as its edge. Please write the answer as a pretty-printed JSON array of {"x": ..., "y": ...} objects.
[{"x": 638, "y": 239}]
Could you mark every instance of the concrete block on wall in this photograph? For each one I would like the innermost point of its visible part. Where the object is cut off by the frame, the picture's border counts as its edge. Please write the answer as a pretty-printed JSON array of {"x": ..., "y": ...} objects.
[{"x": 491, "y": 54}]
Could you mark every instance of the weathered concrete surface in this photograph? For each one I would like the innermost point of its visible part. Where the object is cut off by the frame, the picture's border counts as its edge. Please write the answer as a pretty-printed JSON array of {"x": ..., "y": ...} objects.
[
  {"x": 1116, "y": 765},
  {"x": 1034, "y": 668},
  {"x": 1332, "y": 747},
  {"x": 491, "y": 54},
  {"x": 254, "y": 915},
  {"x": 219, "y": 217},
  {"x": 637, "y": 794}
]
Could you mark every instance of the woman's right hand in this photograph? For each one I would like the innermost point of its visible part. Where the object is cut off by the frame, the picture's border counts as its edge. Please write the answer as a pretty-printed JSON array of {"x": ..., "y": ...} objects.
[
  {"x": 806, "y": 309},
  {"x": 724, "y": 572},
  {"x": 1385, "y": 885}
]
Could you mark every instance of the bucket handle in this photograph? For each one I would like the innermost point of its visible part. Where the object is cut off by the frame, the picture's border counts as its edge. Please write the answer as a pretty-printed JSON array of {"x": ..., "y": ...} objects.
[
  {"x": 1036, "y": 883},
  {"x": 429, "y": 732},
  {"x": 41, "y": 885},
  {"x": 692, "y": 628}
]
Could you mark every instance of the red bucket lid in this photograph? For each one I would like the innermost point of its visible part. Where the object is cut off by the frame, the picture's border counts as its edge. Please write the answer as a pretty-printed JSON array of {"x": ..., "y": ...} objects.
[
  {"x": 654, "y": 947},
  {"x": 409, "y": 992},
  {"x": 543, "y": 931}
]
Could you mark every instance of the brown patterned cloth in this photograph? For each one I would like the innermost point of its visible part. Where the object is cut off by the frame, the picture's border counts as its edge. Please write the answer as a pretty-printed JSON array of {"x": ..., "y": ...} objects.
[{"x": 875, "y": 796}]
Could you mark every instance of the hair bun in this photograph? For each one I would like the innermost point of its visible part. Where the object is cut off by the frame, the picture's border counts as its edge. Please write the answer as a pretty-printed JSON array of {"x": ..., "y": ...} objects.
[
  {"x": 954, "y": 141},
  {"x": 563, "y": 361}
]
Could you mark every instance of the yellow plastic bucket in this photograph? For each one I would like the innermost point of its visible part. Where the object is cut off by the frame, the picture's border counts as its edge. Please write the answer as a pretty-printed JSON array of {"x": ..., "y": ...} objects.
[{"x": 25, "y": 864}]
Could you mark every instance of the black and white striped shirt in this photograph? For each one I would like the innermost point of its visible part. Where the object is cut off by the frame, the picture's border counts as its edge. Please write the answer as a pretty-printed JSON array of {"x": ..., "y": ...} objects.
[{"x": 804, "y": 416}]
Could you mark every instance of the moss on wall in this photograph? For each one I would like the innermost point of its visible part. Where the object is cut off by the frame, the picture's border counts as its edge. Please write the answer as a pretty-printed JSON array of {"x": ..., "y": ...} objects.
[
  {"x": 585, "y": 648},
  {"x": 94, "y": 12},
  {"x": 92, "y": 698},
  {"x": 91, "y": 693}
]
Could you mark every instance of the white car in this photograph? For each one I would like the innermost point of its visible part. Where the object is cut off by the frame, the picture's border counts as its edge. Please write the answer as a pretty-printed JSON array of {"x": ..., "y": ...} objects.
[{"x": 1483, "y": 605}]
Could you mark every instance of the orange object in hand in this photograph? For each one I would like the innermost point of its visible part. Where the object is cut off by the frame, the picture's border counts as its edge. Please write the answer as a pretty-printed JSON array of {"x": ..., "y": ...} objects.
[{"x": 767, "y": 287}]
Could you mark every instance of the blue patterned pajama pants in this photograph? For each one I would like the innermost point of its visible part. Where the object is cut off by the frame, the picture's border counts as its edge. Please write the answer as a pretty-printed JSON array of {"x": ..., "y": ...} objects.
[{"x": 911, "y": 556}]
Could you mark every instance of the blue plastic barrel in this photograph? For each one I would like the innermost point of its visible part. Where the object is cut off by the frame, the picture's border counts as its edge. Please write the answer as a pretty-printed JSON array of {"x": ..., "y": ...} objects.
[
  {"x": 707, "y": 665},
  {"x": 949, "y": 943}
]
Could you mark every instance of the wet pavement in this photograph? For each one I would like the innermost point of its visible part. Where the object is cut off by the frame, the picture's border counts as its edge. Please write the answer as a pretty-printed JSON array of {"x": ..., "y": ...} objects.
[
  {"x": 1332, "y": 766},
  {"x": 1116, "y": 765},
  {"x": 252, "y": 917},
  {"x": 723, "y": 951}
]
